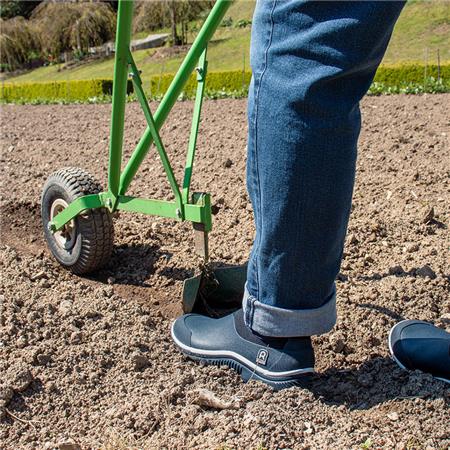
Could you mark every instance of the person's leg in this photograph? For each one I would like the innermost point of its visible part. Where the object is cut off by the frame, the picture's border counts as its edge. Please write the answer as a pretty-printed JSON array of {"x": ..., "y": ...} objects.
[{"x": 312, "y": 61}]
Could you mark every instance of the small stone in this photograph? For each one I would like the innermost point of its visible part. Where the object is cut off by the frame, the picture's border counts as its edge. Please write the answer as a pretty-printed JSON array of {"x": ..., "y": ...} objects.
[
  {"x": 51, "y": 386},
  {"x": 108, "y": 291},
  {"x": 22, "y": 342},
  {"x": 68, "y": 446},
  {"x": 393, "y": 416},
  {"x": 228, "y": 163},
  {"x": 76, "y": 337},
  {"x": 156, "y": 227},
  {"x": 44, "y": 284},
  {"x": 412, "y": 247},
  {"x": 111, "y": 280},
  {"x": 427, "y": 214},
  {"x": 139, "y": 361},
  {"x": 65, "y": 306},
  {"x": 426, "y": 272},
  {"x": 42, "y": 359},
  {"x": 396, "y": 270},
  {"x": 352, "y": 239},
  {"x": 337, "y": 344}
]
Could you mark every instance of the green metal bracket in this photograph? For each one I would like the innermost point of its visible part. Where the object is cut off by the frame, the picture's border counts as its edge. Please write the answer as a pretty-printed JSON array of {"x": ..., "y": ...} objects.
[{"x": 76, "y": 207}]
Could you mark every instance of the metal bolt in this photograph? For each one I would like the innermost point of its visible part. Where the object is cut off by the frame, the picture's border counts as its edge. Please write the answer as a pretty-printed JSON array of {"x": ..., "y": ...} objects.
[
  {"x": 49, "y": 226},
  {"x": 108, "y": 203}
]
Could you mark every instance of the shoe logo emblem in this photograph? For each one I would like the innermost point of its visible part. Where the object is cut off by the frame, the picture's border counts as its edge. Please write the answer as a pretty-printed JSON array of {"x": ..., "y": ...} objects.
[{"x": 262, "y": 356}]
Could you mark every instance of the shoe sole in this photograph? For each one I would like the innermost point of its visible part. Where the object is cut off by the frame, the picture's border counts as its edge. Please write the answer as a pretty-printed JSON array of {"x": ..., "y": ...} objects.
[
  {"x": 399, "y": 364},
  {"x": 245, "y": 368}
]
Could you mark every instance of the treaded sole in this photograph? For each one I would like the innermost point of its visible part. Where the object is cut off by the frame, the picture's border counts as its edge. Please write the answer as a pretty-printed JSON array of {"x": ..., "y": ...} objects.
[{"x": 246, "y": 373}]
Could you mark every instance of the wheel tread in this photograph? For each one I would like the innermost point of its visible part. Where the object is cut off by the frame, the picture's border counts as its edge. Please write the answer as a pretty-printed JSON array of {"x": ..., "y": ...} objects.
[{"x": 96, "y": 224}]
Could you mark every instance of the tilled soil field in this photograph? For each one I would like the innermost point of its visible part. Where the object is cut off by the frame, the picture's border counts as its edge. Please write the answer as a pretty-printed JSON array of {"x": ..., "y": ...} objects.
[{"x": 89, "y": 361}]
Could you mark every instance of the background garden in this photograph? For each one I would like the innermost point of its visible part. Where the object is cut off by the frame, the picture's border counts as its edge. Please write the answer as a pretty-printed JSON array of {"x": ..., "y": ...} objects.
[{"x": 52, "y": 51}]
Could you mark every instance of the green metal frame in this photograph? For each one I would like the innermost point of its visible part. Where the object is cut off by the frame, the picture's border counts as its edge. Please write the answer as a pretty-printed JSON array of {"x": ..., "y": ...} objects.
[{"x": 197, "y": 208}]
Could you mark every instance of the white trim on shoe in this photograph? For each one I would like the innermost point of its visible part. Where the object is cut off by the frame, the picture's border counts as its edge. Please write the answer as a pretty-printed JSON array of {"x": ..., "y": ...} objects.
[
  {"x": 239, "y": 358},
  {"x": 396, "y": 359}
]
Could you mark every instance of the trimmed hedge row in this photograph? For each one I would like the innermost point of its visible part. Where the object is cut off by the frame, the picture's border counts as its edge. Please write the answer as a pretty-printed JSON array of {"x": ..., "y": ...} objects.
[
  {"x": 215, "y": 81},
  {"x": 389, "y": 76},
  {"x": 394, "y": 77},
  {"x": 70, "y": 91}
]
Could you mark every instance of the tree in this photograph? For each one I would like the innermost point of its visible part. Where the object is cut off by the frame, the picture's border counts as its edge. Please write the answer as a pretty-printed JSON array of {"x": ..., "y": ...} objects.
[
  {"x": 14, "y": 8},
  {"x": 176, "y": 14}
]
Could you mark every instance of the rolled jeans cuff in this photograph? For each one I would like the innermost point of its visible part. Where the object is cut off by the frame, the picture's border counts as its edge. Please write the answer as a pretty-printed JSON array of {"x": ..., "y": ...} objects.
[{"x": 282, "y": 322}]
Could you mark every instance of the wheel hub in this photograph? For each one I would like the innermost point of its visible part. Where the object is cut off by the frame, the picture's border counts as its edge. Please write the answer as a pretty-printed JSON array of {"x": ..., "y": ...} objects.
[{"x": 65, "y": 238}]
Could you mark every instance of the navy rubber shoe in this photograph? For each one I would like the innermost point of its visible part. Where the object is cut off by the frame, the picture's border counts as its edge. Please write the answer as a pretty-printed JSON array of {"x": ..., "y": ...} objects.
[
  {"x": 279, "y": 362},
  {"x": 415, "y": 344}
]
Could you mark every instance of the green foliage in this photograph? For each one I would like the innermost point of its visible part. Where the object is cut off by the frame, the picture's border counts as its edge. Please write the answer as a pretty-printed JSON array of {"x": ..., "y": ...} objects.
[
  {"x": 159, "y": 14},
  {"x": 395, "y": 75},
  {"x": 19, "y": 42},
  {"x": 55, "y": 91},
  {"x": 367, "y": 444},
  {"x": 227, "y": 22},
  {"x": 14, "y": 8},
  {"x": 73, "y": 26},
  {"x": 215, "y": 81},
  {"x": 243, "y": 23},
  {"x": 232, "y": 84}
]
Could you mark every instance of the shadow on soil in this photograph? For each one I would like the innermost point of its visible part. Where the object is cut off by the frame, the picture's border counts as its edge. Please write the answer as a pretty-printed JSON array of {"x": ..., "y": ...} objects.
[{"x": 376, "y": 381}]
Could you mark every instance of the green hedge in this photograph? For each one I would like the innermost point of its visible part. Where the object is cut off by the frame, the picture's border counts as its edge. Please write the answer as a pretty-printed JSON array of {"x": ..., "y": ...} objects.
[
  {"x": 408, "y": 78},
  {"x": 215, "y": 81},
  {"x": 401, "y": 74},
  {"x": 70, "y": 91}
]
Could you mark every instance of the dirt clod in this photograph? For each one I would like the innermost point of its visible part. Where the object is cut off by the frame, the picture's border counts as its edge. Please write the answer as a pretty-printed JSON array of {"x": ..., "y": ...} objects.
[
  {"x": 20, "y": 378},
  {"x": 6, "y": 394},
  {"x": 139, "y": 361},
  {"x": 426, "y": 271}
]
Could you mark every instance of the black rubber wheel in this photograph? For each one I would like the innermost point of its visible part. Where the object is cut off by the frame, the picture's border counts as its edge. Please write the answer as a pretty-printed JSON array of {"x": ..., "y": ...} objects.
[{"x": 84, "y": 244}]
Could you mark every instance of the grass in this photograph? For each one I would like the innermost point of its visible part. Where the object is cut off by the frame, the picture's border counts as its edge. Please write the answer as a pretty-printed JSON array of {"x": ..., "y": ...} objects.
[{"x": 423, "y": 28}]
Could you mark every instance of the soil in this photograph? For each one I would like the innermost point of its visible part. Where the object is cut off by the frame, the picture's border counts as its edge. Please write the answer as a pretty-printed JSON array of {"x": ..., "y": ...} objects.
[{"x": 89, "y": 361}]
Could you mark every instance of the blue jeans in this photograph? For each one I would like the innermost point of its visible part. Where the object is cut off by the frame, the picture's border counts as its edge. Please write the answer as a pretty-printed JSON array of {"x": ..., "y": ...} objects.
[{"x": 312, "y": 62}]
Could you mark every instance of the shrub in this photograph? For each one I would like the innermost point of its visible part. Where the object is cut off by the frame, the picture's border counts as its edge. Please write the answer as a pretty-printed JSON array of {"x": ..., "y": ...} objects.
[
  {"x": 156, "y": 14},
  {"x": 396, "y": 75},
  {"x": 69, "y": 91},
  {"x": 68, "y": 26},
  {"x": 13, "y": 8},
  {"x": 218, "y": 85},
  {"x": 215, "y": 81},
  {"x": 19, "y": 42}
]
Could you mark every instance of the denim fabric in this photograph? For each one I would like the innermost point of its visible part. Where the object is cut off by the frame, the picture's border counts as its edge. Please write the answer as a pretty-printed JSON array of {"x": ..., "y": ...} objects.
[{"x": 312, "y": 62}]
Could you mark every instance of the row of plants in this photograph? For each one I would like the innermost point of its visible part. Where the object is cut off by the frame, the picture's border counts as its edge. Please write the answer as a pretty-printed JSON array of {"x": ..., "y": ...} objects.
[{"x": 408, "y": 79}]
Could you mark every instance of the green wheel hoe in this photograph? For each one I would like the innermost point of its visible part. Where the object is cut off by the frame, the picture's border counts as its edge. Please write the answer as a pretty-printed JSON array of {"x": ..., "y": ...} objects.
[{"x": 77, "y": 212}]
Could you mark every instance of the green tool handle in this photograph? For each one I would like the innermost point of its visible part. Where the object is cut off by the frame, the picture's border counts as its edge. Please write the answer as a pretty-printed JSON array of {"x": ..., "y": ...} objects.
[{"x": 190, "y": 61}]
